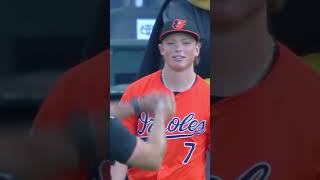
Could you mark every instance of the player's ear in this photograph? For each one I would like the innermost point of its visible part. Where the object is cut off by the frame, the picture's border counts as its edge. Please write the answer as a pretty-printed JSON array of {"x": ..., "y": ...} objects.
[
  {"x": 198, "y": 47},
  {"x": 160, "y": 46}
]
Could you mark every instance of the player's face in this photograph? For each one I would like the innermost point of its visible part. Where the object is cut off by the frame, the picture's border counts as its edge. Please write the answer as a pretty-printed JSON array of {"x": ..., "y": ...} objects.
[
  {"x": 179, "y": 51},
  {"x": 236, "y": 11}
]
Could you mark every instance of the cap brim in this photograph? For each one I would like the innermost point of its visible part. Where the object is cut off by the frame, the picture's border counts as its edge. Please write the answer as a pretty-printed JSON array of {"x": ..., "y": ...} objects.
[{"x": 166, "y": 33}]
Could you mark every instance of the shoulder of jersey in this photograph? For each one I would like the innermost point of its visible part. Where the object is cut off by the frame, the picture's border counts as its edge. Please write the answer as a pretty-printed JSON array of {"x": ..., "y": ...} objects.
[
  {"x": 93, "y": 68},
  {"x": 301, "y": 70},
  {"x": 204, "y": 83}
]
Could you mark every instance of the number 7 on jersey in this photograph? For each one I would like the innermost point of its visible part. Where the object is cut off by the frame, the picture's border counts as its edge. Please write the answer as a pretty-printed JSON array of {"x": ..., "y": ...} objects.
[{"x": 192, "y": 146}]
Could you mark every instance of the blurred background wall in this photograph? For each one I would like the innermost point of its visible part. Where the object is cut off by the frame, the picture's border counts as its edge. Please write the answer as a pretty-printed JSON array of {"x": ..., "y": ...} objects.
[{"x": 38, "y": 41}]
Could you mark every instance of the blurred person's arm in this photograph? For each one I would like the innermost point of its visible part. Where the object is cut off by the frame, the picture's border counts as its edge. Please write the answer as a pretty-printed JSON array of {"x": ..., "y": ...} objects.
[
  {"x": 149, "y": 155},
  {"x": 146, "y": 155}
]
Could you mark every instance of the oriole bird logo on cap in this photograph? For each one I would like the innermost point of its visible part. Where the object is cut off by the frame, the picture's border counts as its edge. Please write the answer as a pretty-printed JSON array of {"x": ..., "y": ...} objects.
[{"x": 179, "y": 24}]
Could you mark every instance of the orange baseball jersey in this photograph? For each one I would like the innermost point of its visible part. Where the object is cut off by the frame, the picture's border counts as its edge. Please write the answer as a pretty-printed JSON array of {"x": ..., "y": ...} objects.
[
  {"x": 272, "y": 130},
  {"x": 188, "y": 131}
]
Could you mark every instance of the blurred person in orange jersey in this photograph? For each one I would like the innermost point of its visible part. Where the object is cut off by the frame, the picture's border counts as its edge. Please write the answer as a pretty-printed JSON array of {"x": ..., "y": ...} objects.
[{"x": 264, "y": 100}]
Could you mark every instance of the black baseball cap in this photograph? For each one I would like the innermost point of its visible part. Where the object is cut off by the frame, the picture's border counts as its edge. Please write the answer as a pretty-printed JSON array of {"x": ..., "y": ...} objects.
[{"x": 179, "y": 26}]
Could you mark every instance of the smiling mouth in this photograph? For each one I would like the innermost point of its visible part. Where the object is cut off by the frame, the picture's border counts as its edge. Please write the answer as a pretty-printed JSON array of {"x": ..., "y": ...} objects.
[{"x": 178, "y": 58}]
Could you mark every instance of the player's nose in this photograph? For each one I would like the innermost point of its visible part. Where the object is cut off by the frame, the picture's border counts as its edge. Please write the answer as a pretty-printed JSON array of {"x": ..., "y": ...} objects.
[{"x": 178, "y": 47}]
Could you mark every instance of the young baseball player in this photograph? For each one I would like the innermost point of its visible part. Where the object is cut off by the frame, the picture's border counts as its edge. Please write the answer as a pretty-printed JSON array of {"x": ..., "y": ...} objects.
[
  {"x": 197, "y": 11},
  {"x": 266, "y": 101},
  {"x": 187, "y": 131}
]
